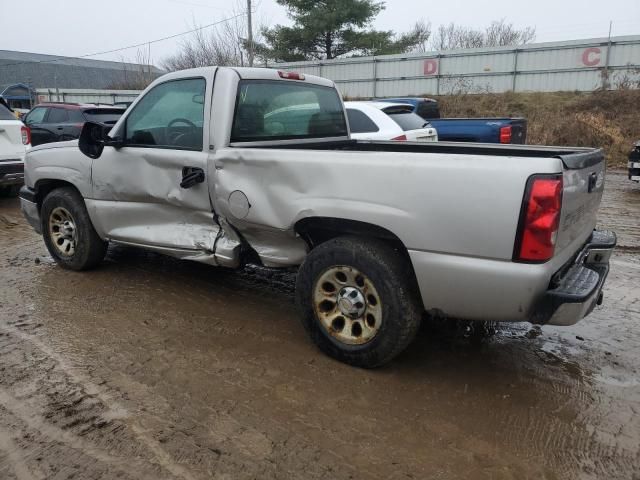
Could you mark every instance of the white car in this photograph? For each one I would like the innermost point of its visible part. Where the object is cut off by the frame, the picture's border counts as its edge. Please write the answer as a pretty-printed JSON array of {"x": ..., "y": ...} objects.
[
  {"x": 15, "y": 138},
  {"x": 388, "y": 121}
]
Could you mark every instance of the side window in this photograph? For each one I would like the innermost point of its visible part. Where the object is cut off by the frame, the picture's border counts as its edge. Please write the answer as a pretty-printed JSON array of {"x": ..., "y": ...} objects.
[
  {"x": 58, "y": 115},
  {"x": 360, "y": 122},
  {"x": 36, "y": 115},
  {"x": 170, "y": 116}
]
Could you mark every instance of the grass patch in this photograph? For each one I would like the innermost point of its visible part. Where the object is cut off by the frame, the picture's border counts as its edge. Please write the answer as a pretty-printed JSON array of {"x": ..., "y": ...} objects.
[{"x": 606, "y": 119}]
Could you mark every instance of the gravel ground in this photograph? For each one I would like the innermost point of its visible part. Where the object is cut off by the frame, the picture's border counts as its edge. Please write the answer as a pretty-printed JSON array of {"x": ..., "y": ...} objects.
[{"x": 153, "y": 368}]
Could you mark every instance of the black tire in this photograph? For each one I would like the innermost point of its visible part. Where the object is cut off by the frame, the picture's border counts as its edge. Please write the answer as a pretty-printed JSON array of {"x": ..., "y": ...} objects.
[
  {"x": 393, "y": 278},
  {"x": 90, "y": 249}
]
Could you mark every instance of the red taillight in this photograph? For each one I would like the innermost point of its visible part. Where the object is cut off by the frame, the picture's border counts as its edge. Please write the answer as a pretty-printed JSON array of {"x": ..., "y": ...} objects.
[
  {"x": 25, "y": 132},
  {"x": 291, "y": 75},
  {"x": 540, "y": 218},
  {"x": 401, "y": 138},
  {"x": 505, "y": 134}
]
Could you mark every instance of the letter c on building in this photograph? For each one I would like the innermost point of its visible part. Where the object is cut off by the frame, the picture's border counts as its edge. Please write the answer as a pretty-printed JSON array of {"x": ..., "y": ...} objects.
[
  {"x": 431, "y": 66},
  {"x": 591, "y": 56}
]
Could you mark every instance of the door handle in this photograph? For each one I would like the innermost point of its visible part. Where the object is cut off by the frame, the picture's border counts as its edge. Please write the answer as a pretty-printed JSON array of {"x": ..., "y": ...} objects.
[
  {"x": 59, "y": 128},
  {"x": 191, "y": 176}
]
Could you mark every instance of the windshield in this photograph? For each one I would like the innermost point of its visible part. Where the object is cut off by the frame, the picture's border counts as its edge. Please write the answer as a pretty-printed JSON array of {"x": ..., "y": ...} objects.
[{"x": 283, "y": 110}]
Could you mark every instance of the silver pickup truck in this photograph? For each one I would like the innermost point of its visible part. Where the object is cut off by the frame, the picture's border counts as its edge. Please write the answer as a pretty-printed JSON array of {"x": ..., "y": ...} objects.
[{"x": 223, "y": 166}]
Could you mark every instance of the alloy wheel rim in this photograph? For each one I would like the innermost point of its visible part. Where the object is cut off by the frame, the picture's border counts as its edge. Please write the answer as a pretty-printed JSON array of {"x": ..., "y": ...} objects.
[
  {"x": 347, "y": 305},
  {"x": 62, "y": 230}
]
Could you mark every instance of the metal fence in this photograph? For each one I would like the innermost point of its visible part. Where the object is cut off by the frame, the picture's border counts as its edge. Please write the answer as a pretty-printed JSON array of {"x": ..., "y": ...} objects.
[
  {"x": 582, "y": 65},
  {"x": 84, "y": 95}
]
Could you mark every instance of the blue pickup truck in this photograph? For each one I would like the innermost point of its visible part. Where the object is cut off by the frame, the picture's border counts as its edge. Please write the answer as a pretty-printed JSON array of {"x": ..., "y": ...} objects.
[{"x": 485, "y": 130}]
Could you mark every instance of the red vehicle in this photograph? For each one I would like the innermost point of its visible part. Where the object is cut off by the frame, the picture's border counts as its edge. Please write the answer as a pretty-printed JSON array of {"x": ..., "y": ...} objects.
[{"x": 57, "y": 122}]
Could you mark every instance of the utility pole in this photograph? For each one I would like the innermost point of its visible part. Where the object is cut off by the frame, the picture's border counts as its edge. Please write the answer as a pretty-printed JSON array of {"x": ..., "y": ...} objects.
[
  {"x": 250, "y": 35},
  {"x": 605, "y": 79}
]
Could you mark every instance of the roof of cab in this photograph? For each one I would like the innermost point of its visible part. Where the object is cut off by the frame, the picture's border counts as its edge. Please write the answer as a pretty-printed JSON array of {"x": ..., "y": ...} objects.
[{"x": 249, "y": 73}]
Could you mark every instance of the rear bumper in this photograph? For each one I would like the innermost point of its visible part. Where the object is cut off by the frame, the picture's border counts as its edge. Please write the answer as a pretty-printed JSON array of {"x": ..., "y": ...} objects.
[
  {"x": 578, "y": 289},
  {"x": 11, "y": 172},
  {"x": 29, "y": 206},
  {"x": 634, "y": 171}
]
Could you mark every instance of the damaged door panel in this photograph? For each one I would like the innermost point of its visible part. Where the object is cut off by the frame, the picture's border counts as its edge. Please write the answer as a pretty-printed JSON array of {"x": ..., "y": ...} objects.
[{"x": 154, "y": 189}]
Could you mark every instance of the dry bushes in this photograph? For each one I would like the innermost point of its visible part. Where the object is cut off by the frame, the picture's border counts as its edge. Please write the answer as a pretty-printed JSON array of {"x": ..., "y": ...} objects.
[{"x": 607, "y": 119}]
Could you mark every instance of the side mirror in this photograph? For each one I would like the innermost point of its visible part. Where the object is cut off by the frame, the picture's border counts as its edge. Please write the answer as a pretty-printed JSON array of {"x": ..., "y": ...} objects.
[{"x": 94, "y": 137}]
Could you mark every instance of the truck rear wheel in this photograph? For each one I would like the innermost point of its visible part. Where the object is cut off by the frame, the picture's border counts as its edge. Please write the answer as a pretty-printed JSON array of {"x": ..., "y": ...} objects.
[
  {"x": 68, "y": 232},
  {"x": 359, "y": 300}
]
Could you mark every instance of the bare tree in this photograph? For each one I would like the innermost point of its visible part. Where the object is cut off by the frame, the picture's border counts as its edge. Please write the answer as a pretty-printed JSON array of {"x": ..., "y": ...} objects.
[
  {"x": 418, "y": 37},
  {"x": 452, "y": 36},
  {"x": 497, "y": 34},
  {"x": 502, "y": 34},
  {"x": 224, "y": 44},
  {"x": 136, "y": 76}
]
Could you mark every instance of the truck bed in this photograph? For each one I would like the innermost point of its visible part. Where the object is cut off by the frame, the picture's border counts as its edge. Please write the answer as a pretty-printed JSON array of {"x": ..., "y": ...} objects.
[{"x": 572, "y": 157}]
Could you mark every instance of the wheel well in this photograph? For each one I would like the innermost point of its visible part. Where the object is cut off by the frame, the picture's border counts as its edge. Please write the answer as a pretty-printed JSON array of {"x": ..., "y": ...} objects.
[
  {"x": 44, "y": 187},
  {"x": 316, "y": 230}
]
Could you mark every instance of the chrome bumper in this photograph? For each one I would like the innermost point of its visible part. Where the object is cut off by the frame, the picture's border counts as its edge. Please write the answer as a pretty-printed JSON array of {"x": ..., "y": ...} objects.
[
  {"x": 577, "y": 289},
  {"x": 29, "y": 207}
]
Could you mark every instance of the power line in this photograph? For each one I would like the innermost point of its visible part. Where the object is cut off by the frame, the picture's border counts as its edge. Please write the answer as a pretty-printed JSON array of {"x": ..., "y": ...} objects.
[{"x": 148, "y": 42}]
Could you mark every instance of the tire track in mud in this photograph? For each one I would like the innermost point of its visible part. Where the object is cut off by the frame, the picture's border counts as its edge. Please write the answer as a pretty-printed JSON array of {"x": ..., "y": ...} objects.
[
  {"x": 54, "y": 404},
  {"x": 14, "y": 461},
  {"x": 72, "y": 411}
]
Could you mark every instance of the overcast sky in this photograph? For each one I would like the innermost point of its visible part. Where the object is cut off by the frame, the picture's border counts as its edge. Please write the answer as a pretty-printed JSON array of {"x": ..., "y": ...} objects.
[{"x": 78, "y": 27}]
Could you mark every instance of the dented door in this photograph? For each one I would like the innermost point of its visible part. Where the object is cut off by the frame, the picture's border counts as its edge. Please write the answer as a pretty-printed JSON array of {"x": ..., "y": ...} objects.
[{"x": 153, "y": 191}]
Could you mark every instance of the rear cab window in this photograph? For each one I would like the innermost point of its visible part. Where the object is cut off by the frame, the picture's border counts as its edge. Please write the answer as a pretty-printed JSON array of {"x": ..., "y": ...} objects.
[
  {"x": 286, "y": 110},
  {"x": 359, "y": 122},
  {"x": 428, "y": 110}
]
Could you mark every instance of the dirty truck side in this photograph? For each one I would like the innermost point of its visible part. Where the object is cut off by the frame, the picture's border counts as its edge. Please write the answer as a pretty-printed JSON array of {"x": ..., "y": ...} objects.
[{"x": 228, "y": 166}]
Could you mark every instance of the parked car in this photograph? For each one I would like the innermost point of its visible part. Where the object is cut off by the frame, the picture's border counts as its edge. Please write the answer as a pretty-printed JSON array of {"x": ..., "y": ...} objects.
[
  {"x": 384, "y": 121},
  {"x": 634, "y": 163},
  {"x": 379, "y": 231},
  {"x": 57, "y": 122},
  {"x": 485, "y": 130},
  {"x": 14, "y": 141}
]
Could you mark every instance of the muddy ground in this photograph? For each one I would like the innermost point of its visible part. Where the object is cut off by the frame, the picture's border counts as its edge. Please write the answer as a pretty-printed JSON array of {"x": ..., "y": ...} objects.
[{"x": 153, "y": 368}]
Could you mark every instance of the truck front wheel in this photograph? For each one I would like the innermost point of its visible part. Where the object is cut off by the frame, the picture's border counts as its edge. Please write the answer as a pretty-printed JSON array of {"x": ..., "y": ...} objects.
[
  {"x": 68, "y": 232},
  {"x": 359, "y": 300}
]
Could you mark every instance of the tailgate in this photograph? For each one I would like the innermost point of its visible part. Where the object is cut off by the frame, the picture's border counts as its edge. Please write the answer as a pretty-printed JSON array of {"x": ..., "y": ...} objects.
[
  {"x": 583, "y": 178},
  {"x": 519, "y": 131},
  {"x": 11, "y": 147}
]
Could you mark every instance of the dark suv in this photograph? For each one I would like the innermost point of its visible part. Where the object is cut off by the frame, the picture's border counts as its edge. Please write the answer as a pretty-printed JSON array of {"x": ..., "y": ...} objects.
[{"x": 57, "y": 122}]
